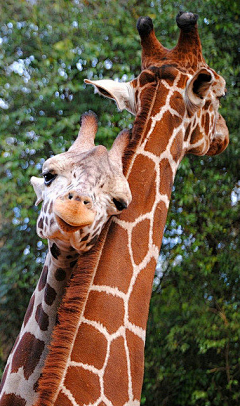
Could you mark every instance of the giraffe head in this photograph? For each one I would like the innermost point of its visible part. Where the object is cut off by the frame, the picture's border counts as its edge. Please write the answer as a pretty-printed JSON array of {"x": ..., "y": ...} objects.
[
  {"x": 189, "y": 89},
  {"x": 82, "y": 188}
]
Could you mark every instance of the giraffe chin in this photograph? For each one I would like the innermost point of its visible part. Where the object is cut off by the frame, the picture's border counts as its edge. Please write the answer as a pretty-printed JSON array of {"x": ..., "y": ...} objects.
[{"x": 64, "y": 226}]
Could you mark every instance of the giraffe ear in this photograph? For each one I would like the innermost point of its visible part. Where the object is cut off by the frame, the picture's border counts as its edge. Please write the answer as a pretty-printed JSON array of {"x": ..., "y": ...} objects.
[
  {"x": 38, "y": 185},
  {"x": 116, "y": 152},
  {"x": 122, "y": 92},
  {"x": 197, "y": 89}
]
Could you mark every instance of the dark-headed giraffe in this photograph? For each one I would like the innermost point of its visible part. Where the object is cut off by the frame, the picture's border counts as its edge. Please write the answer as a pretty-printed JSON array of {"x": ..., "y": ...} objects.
[
  {"x": 175, "y": 99},
  {"x": 80, "y": 190}
]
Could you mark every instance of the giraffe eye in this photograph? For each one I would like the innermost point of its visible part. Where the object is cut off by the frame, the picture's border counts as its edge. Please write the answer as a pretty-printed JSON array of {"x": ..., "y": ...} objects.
[
  {"x": 48, "y": 178},
  {"x": 120, "y": 204}
]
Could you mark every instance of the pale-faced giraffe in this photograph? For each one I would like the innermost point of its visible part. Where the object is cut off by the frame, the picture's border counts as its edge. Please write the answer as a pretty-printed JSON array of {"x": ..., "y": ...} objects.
[
  {"x": 176, "y": 100},
  {"x": 81, "y": 189}
]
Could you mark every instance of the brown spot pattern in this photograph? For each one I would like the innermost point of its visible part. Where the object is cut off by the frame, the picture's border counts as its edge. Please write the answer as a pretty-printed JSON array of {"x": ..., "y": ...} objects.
[
  {"x": 60, "y": 274},
  {"x": 206, "y": 105},
  {"x": 146, "y": 77},
  {"x": 141, "y": 294},
  {"x": 13, "y": 400},
  {"x": 176, "y": 148},
  {"x": 187, "y": 132},
  {"x": 142, "y": 185},
  {"x": 196, "y": 135},
  {"x": 85, "y": 237},
  {"x": 140, "y": 244},
  {"x": 73, "y": 263},
  {"x": 40, "y": 223},
  {"x": 136, "y": 354},
  {"x": 49, "y": 295},
  {"x": 121, "y": 263},
  {"x": 62, "y": 400},
  {"x": 166, "y": 177},
  {"x": 177, "y": 103},
  {"x": 182, "y": 81},
  {"x": 207, "y": 121},
  {"x": 42, "y": 318},
  {"x": 159, "y": 138},
  {"x": 159, "y": 223},
  {"x": 55, "y": 251},
  {"x": 23, "y": 356},
  {"x": 93, "y": 351},
  {"x": 160, "y": 99},
  {"x": 105, "y": 309},
  {"x": 116, "y": 376},
  {"x": 87, "y": 381}
]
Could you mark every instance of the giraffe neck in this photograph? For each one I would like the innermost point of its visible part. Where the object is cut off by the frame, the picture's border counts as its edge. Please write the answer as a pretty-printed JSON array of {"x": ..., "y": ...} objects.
[
  {"x": 107, "y": 349},
  {"x": 25, "y": 363}
]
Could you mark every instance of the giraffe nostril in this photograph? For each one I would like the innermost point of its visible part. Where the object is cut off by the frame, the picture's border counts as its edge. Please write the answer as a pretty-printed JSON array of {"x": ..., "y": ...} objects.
[{"x": 77, "y": 197}]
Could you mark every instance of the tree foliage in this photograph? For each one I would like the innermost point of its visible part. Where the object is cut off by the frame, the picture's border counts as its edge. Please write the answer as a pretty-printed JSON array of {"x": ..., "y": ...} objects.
[{"x": 47, "y": 48}]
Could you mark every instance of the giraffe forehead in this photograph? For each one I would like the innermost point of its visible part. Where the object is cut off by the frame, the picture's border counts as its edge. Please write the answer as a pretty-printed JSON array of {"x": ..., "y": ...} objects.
[
  {"x": 95, "y": 161},
  {"x": 167, "y": 73}
]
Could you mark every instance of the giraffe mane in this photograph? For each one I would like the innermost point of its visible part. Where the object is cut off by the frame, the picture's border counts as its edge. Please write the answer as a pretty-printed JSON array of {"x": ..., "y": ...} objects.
[
  {"x": 69, "y": 313},
  {"x": 139, "y": 125}
]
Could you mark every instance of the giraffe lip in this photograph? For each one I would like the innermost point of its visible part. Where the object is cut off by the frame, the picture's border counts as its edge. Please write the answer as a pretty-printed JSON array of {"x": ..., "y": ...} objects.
[
  {"x": 68, "y": 227},
  {"x": 72, "y": 215}
]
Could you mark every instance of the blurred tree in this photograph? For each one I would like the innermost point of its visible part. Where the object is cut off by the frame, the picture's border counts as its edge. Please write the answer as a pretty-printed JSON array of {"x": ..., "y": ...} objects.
[{"x": 47, "y": 48}]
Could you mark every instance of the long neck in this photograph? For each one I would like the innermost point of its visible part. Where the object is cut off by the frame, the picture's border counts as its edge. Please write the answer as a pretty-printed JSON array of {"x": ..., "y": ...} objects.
[
  {"x": 105, "y": 360},
  {"x": 25, "y": 363}
]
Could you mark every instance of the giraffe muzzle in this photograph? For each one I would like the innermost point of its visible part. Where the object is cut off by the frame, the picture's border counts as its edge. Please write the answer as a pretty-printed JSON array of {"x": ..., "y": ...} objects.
[{"x": 73, "y": 211}]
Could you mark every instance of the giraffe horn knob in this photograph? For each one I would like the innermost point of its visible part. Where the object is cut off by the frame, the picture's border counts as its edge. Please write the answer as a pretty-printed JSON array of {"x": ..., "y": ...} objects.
[
  {"x": 144, "y": 26},
  {"x": 186, "y": 21}
]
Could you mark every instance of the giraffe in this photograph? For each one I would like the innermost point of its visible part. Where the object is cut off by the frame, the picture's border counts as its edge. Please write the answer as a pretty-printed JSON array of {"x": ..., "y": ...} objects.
[
  {"x": 80, "y": 190},
  {"x": 175, "y": 99}
]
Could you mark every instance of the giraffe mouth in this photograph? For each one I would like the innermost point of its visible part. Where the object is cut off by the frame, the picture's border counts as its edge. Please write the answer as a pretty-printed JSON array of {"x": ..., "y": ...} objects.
[
  {"x": 73, "y": 212},
  {"x": 64, "y": 226}
]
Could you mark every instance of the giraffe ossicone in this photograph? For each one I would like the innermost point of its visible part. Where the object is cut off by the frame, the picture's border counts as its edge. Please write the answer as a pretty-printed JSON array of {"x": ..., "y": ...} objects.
[{"x": 82, "y": 188}]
